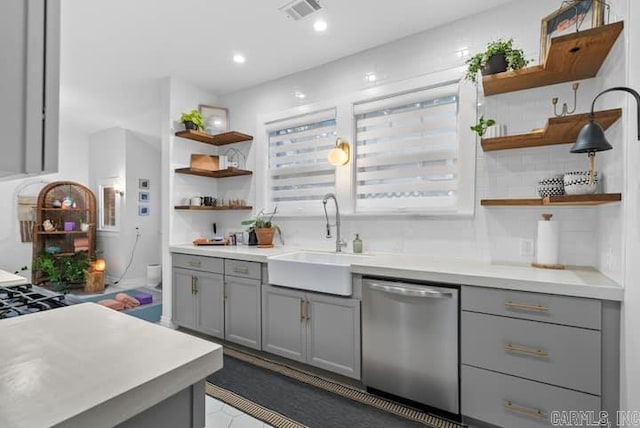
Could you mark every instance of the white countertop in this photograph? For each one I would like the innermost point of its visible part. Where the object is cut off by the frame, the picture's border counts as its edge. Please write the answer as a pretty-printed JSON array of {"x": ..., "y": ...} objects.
[
  {"x": 574, "y": 281},
  {"x": 7, "y": 278},
  {"x": 89, "y": 366}
]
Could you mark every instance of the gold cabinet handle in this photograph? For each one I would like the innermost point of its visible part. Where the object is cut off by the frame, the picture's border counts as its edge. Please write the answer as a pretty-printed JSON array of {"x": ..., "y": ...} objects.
[
  {"x": 525, "y": 307},
  {"x": 302, "y": 316},
  {"x": 509, "y": 347},
  {"x": 528, "y": 411},
  {"x": 306, "y": 310},
  {"x": 193, "y": 278},
  {"x": 241, "y": 269},
  {"x": 195, "y": 285},
  {"x": 195, "y": 263}
]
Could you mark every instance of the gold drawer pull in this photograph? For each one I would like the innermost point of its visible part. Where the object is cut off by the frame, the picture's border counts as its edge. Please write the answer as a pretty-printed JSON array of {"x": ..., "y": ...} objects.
[
  {"x": 195, "y": 263},
  {"x": 534, "y": 413},
  {"x": 509, "y": 347},
  {"x": 239, "y": 269},
  {"x": 525, "y": 307}
]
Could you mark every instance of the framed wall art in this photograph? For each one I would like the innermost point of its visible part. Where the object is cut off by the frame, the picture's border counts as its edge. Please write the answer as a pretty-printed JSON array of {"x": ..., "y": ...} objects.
[
  {"x": 572, "y": 16},
  {"x": 216, "y": 119}
]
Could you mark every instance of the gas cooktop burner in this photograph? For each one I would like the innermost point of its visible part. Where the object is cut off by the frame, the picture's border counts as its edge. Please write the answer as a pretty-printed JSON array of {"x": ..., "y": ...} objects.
[{"x": 16, "y": 300}]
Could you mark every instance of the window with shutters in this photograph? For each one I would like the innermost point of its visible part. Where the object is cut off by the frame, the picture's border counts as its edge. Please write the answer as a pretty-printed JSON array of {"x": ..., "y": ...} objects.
[
  {"x": 299, "y": 173},
  {"x": 407, "y": 151}
]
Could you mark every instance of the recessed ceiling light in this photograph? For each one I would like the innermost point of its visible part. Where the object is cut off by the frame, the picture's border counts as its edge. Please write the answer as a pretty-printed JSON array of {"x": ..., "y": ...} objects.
[
  {"x": 320, "y": 25},
  {"x": 239, "y": 59},
  {"x": 370, "y": 77},
  {"x": 300, "y": 95}
]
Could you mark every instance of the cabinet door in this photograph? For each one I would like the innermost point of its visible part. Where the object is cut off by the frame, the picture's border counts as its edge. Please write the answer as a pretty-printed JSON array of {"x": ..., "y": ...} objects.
[
  {"x": 184, "y": 310},
  {"x": 333, "y": 337},
  {"x": 242, "y": 311},
  {"x": 283, "y": 326},
  {"x": 28, "y": 76},
  {"x": 209, "y": 289}
]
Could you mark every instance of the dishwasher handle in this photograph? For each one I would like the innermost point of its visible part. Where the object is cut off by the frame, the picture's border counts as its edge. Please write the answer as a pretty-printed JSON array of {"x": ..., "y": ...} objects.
[{"x": 394, "y": 288}]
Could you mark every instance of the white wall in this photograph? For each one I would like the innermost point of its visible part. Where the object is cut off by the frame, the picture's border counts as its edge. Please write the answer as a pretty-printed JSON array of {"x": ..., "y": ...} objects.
[
  {"x": 493, "y": 233},
  {"x": 117, "y": 152},
  {"x": 181, "y": 226},
  {"x": 73, "y": 166}
]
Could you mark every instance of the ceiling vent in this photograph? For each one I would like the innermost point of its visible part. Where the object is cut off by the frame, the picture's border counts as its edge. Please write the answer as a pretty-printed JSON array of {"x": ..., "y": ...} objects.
[{"x": 299, "y": 9}]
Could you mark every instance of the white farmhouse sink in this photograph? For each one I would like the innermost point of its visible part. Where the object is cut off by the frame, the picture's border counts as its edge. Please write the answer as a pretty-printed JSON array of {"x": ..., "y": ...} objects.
[{"x": 315, "y": 271}]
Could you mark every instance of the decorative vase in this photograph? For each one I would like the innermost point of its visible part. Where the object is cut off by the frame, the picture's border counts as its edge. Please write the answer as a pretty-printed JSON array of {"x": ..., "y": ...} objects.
[
  {"x": 190, "y": 125},
  {"x": 265, "y": 237},
  {"x": 84, "y": 227},
  {"x": 497, "y": 63}
]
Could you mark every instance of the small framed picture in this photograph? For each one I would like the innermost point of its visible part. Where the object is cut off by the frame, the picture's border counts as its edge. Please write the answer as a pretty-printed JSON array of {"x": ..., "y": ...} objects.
[
  {"x": 143, "y": 183},
  {"x": 573, "y": 15},
  {"x": 143, "y": 196},
  {"x": 216, "y": 119},
  {"x": 143, "y": 210}
]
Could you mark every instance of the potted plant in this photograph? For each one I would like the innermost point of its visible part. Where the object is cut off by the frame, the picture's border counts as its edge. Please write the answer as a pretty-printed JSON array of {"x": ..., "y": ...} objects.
[
  {"x": 192, "y": 120},
  {"x": 481, "y": 127},
  {"x": 264, "y": 229},
  {"x": 499, "y": 56},
  {"x": 62, "y": 272},
  {"x": 84, "y": 226}
]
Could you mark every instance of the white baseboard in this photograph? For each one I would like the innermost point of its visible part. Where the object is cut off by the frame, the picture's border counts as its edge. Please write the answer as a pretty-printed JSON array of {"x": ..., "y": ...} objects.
[{"x": 166, "y": 322}]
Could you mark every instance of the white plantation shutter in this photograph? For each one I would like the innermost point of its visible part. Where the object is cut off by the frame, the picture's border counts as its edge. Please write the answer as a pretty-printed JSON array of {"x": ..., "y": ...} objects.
[
  {"x": 407, "y": 152},
  {"x": 299, "y": 172}
]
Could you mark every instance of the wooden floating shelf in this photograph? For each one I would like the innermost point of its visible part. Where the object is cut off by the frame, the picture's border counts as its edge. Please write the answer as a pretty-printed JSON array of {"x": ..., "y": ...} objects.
[
  {"x": 215, "y": 140},
  {"x": 229, "y": 172},
  {"x": 558, "y": 130},
  {"x": 210, "y": 208},
  {"x": 562, "y": 200},
  {"x": 570, "y": 57},
  {"x": 65, "y": 209}
]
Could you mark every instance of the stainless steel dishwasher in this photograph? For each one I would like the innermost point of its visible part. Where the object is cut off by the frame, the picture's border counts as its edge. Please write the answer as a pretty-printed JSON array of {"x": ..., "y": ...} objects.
[{"x": 410, "y": 341}]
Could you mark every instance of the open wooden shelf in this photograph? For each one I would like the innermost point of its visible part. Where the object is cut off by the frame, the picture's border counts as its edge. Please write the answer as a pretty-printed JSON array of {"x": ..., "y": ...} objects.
[
  {"x": 211, "y": 208},
  {"x": 229, "y": 172},
  {"x": 570, "y": 57},
  {"x": 558, "y": 130},
  {"x": 62, "y": 232},
  {"x": 215, "y": 140},
  {"x": 575, "y": 200}
]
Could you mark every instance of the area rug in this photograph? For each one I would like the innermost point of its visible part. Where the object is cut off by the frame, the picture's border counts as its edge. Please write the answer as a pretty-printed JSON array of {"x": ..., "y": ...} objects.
[{"x": 287, "y": 397}]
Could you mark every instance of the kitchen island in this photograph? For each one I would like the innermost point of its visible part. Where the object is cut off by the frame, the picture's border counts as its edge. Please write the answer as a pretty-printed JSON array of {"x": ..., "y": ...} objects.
[{"x": 89, "y": 366}]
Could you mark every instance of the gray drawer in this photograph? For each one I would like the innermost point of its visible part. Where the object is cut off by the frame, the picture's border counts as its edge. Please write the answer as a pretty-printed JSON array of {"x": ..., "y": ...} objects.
[
  {"x": 508, "y": 401},
  {"x": 559, "y": 355},
  {"x": 201, "y": 263},
  {"x": 242, "y": 269},
  {"x": 576, "y": 311}
]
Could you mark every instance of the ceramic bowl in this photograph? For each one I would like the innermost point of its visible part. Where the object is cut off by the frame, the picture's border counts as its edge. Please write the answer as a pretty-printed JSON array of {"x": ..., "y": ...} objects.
[
  {"x": 551, "y": 186},
  {"x": 577, "y": 183}
]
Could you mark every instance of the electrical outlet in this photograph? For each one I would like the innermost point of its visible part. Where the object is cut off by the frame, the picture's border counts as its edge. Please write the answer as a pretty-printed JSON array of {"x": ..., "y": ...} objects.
[
  {"x": 526, "y": 247},
  {"x": 138, "y": 230}
]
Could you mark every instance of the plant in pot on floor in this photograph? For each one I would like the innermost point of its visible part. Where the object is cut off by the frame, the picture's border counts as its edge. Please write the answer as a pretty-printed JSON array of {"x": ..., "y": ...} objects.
[
  {"x": 499, "y": 56},
  {"x": 264, "y": 229},
  {"x": 192, "y": 120},
  {"x": 62, "y": 272}
]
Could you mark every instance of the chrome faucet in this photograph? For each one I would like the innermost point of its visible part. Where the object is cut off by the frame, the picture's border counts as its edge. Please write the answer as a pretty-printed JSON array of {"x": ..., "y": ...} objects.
[{"x": 339, "y": 242}]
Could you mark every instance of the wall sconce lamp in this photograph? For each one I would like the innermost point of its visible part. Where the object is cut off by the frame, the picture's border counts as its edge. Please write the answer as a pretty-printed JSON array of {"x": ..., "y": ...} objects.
[
  {"x": 118, "y": 189},
  {"x": 339, "y": 155},
  {"x": 591, "y": 138},
  {"x": 99, "y": 265}
]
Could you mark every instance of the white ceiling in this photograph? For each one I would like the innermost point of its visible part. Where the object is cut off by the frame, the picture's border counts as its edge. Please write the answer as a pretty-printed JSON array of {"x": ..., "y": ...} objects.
[{"x": 115, "y": 51}]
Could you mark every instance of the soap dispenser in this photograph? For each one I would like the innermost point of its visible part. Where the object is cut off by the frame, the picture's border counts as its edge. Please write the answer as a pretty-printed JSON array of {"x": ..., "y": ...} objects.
[{"x": 357, "y": 244}]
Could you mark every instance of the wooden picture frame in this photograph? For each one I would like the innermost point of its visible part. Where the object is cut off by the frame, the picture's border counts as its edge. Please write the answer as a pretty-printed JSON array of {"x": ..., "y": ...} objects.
[
  {"x": 572, "y": 16},
  {"x": 216, "y": 119}
]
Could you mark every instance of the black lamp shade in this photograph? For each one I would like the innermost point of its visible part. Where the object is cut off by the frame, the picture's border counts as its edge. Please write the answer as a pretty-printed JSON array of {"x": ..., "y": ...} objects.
[{"x": 591, "y": 139}]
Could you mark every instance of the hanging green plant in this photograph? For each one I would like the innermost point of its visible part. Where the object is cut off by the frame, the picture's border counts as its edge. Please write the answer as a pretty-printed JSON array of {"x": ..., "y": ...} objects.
[{"x": 514, "y": 59}]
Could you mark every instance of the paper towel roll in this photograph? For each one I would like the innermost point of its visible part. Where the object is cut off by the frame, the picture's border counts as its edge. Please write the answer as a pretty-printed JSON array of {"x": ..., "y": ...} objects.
[
  {"x": 548, "y": 242},
  {"x": 154, "y": 275}
]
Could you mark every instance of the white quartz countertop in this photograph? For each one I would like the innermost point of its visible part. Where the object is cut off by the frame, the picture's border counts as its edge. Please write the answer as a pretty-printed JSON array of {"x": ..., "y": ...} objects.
[
  {"x": 573, "y": 281},
  {"x": 88, "y": 366},
  {"x": 7, "y": 278}
]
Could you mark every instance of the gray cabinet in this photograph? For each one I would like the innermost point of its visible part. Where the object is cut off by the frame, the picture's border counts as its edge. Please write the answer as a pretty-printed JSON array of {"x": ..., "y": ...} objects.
[
  {"x": 242, "y": 307},
  {"x": 29, "y": 84},
  {"x": 317, "y": 329},
  {"x": 525, "y": 355},
  {"x": 198, "y": 294}
]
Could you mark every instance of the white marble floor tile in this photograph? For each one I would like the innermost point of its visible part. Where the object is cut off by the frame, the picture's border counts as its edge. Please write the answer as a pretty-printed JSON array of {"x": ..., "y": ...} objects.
[
  {"x": 231, "y": 411},
  {"x": 218, "y": 420},
  {"x": 212, "y": 405},
  {"x": 246, "y": 421},
  {"x": 221, "y": 415}
]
